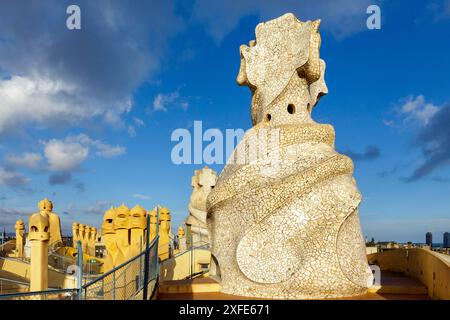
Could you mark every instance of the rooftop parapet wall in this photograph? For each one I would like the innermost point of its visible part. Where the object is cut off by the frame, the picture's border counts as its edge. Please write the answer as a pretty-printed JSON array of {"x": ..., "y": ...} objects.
[
  {"x": 21, "y": 269},
  {"x": 430, "y": 268}
]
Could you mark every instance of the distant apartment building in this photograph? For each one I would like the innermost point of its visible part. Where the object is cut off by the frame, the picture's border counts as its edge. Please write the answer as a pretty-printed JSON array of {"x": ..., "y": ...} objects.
[
  {"x": 387, "y": 245},
  {"x": 429, "y": 239},
  {"x": 446, "y": 240}
]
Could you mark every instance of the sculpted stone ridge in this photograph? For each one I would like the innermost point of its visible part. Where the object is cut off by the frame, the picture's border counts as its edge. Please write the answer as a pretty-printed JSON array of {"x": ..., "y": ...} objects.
[
  {"x": 203, "y": 182},
  {"x": 284, "y": 47},
  {"x": 286, "y": 224}
]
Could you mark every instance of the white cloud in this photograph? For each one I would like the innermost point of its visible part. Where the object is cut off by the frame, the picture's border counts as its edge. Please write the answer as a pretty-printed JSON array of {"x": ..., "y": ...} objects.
[
  {"x": 416, "y": 109},
  {"x": 388, "y": 123},
  {"x": 9, "y": 216},
  {"x": 12, "y": 179},
  {"x": 49, "y": 103},
  {"x": 138, "y": 122},
  {"x": 131, "y": 131},
  {"x": 28, "y": 159},
  {"x": 65, "y": 155},
  {"x": 432, "y": 135},
  {"x": 161, "y": 100},
  {"x": 107, "y": 151},
  {"x": 52, "y": 79},
  {"x": 68, "y": 154},
  {"x": 141, "y": 196}
]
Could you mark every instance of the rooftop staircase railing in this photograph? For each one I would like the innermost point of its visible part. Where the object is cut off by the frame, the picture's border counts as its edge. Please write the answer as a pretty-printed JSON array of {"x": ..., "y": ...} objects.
[
  {"x": 11, "y": 286},
  {"x": 125, "y": 281}
]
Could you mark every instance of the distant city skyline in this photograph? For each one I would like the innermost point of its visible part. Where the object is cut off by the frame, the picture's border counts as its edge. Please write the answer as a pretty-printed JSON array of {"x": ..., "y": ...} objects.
[
  {"x": 446, "y": 240},
  {"x": 438, "y": 241}
]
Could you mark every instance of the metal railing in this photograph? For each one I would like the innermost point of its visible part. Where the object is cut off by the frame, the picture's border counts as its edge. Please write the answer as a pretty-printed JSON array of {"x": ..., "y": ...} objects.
[
  {"x": 187, "y": 257},
  {"x": 200, "y": 244},
  {"x": 57, "y": 294},
  {"x": 7, "y": 247},
  {"x": 8, "y": 286},
  {"x": 64, "y": 264},
  {"x": 126, "y": 280},
  {"x": 91, "y": 269},
  {"x": 136, "y": 278}
]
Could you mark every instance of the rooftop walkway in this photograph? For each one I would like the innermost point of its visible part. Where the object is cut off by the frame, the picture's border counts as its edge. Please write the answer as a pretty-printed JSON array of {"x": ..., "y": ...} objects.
[{"x": 394, "y": 286}]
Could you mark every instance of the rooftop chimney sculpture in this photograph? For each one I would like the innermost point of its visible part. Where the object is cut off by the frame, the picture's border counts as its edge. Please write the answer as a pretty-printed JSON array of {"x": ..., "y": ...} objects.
[
  {"x": 138, "y": 229},
  {"x": 39, "y": 235},
  {"x": 20, "y": 238},
  {"x": 75, "y": 234},
  {"x": 164, "y": 233},
  {"x": 46, "y": 208},
  {"x": 202, "y": 183},
  {"x": 109, "y": 238},
  {"x": 286, "y": 224}
]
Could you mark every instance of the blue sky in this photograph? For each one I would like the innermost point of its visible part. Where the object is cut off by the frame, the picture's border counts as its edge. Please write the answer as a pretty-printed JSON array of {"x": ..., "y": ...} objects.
[{"x": 86, "y": 116}]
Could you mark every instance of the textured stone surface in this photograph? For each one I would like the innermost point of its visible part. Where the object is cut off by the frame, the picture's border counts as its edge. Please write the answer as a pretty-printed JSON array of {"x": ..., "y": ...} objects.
[
  {"x": 20, "y": 238},
  {"x": 202, "y": 183},
  {"x": 46, "y": 208},
  {"x": 283, "y": 217},
  {"x": 165, "y": 235},
  {"x": 124, "y": 232}
]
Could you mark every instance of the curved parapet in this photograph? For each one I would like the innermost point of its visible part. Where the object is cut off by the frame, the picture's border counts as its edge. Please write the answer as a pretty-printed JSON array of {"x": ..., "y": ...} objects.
[{"x": 430, "y": 268}]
